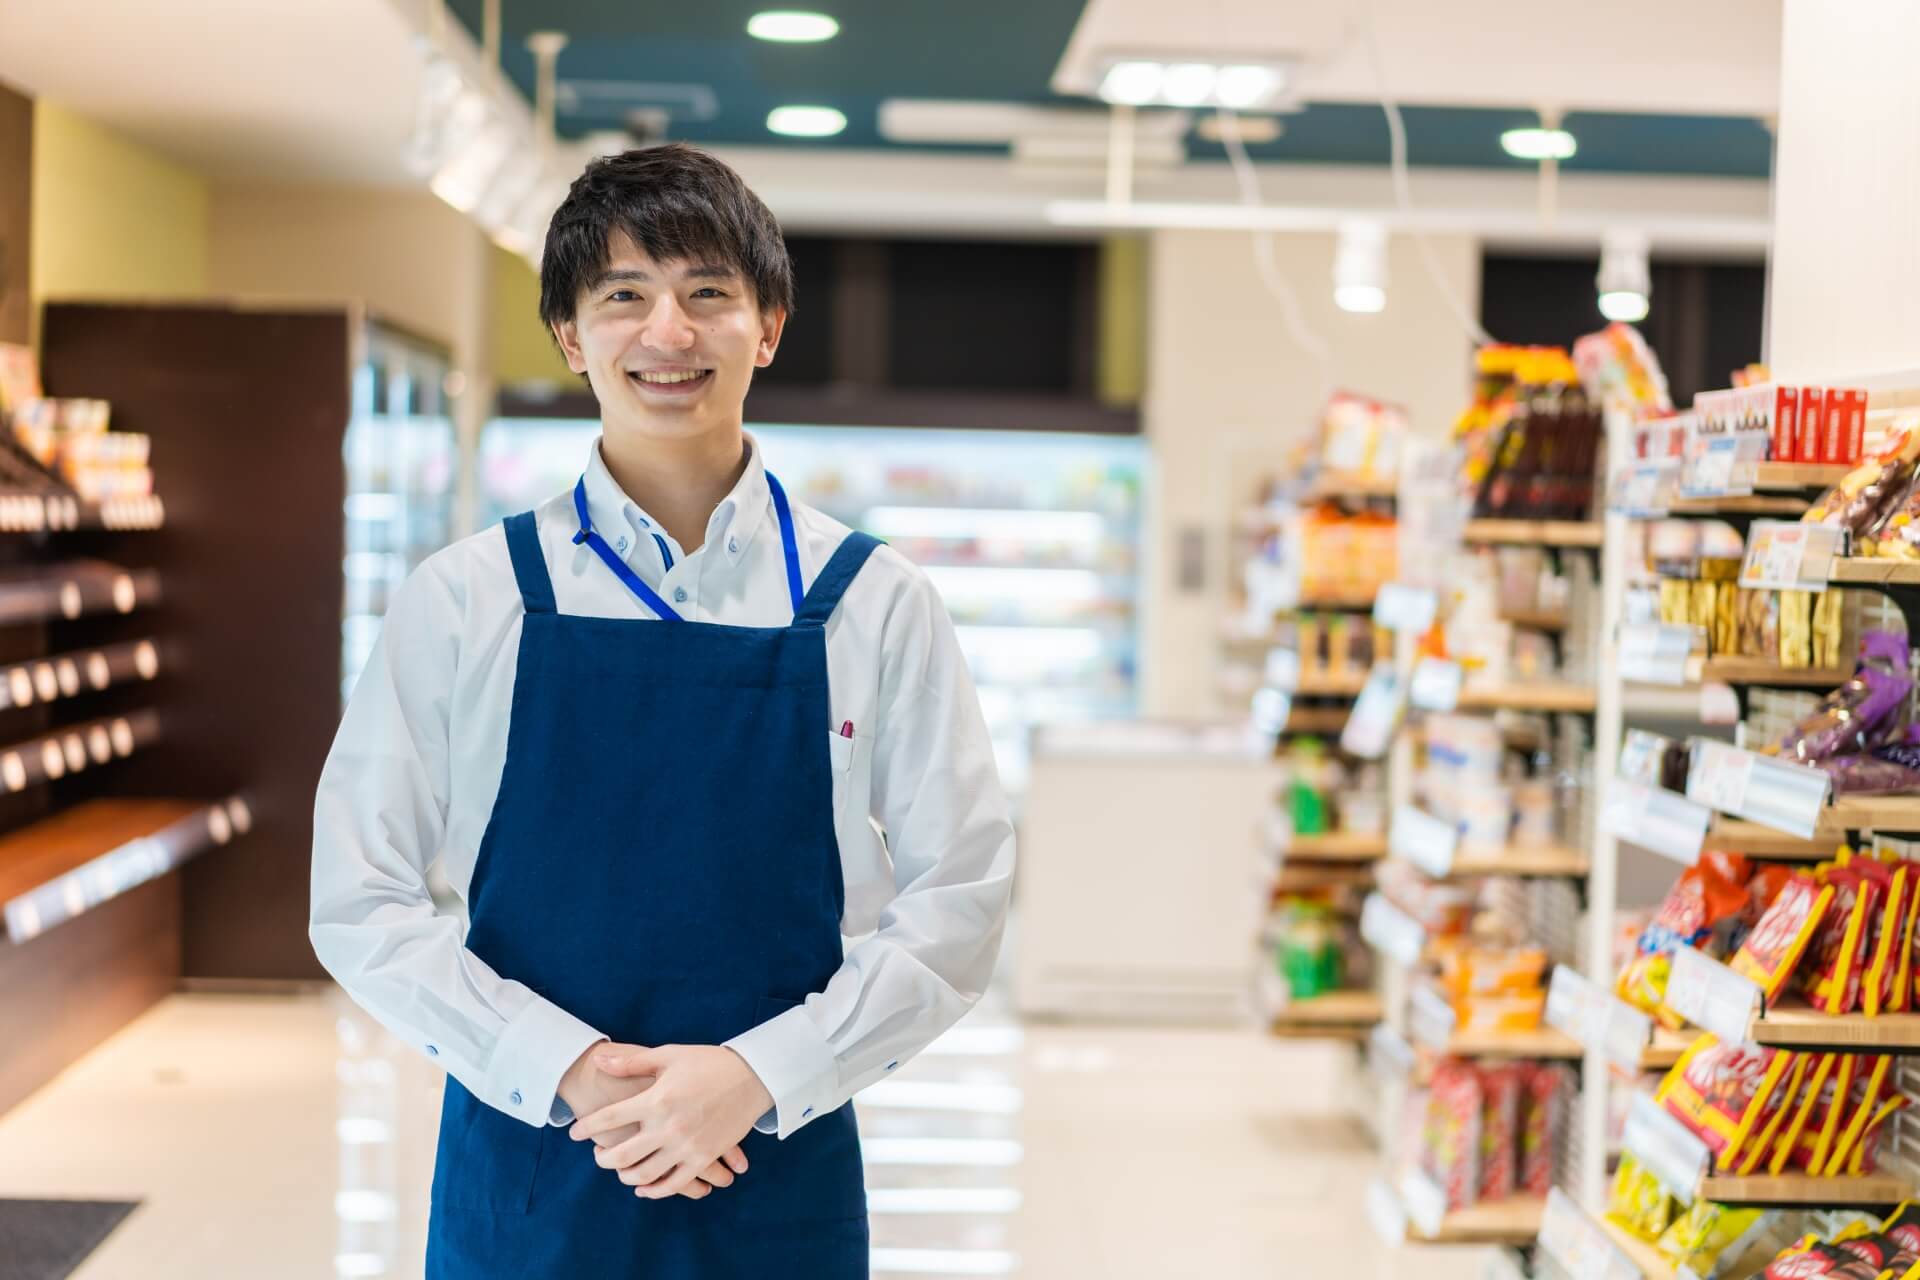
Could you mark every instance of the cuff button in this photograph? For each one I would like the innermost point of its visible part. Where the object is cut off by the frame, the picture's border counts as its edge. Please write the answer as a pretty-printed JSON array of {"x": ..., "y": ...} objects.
[
  {"x": 433, "y": 1051},
  {"x": 514, "y": 1097},
  {"x": 807, "y": 1114}
]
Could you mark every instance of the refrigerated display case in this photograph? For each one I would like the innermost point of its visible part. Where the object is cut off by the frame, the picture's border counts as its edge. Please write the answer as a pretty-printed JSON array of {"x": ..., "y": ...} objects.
[
  {"x": 401, "y": 453},
  {"x": 1033, "y": 540}
]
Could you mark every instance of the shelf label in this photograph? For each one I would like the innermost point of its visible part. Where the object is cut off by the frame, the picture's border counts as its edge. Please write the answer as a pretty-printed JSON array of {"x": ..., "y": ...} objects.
[
  {"x": 1435, "y": 685},
  {"x": 1391, "y": 931},
  {"x": 1655, "y": 653},
  {"x": 1665, "y": 1148},
  {"x": 1626, "y": 1034},
  {"x": 1425, "y": 1201},
  {"x": 1656, "y": 819},
  {"x": 1390, "y": 1057},
  {"x": 1376, "y": 715},
  {"x": 1270, "y": 711},
  {"x": 1430, "y": 1019},
  {"x": 1578, "y": 1246},
  {"x": 1418, "y": 837},
  {"x": 1785, "y": 555},
  {"x": 1645, "y": 490},
  {"x": 1786, "y": 797},
  {"x": 1385, "y": 1213},
  {"x": 1712, "y": 996},
  {"x": 1596, "y": 1018},
  {"x": 1725, "y": 468},
  {"x": 1569, "y": 1002},
  {"x": 1399, "y": 607},
  {"x": 1283, "y": 669}
]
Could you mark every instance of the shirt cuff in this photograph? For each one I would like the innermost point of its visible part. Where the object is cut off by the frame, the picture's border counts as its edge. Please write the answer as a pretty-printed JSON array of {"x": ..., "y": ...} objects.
[
  {"x": 795, "y": 1063},
  {"x": 529, "y": 1059}
]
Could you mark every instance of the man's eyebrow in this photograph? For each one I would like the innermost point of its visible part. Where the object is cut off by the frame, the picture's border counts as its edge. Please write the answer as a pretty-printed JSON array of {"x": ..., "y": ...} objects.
[{"x": 633, "y": 275}]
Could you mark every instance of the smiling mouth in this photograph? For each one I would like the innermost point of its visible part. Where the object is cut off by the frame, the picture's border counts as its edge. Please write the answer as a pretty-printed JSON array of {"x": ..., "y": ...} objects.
[{"x": 675, "y": 381}]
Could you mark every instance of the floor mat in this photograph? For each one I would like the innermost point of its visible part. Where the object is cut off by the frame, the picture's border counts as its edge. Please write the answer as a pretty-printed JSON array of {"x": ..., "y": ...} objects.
[{"x": 47, "y": 1239}]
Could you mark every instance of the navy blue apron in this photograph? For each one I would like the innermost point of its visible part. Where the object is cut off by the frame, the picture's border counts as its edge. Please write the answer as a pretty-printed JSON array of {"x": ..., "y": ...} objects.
[{"x": 661, "y": 863}]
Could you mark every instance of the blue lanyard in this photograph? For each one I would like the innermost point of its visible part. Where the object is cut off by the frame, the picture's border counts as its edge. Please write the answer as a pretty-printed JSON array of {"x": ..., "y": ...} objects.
[{"x": 648, "y": 596}]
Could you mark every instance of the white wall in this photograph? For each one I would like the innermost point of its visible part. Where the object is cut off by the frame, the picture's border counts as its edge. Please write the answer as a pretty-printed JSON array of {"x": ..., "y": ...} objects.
[
  {"x": 1846, "y": 266},
  {"x": 405, "y": 254},
  {"x": 1229, "y": 393}
]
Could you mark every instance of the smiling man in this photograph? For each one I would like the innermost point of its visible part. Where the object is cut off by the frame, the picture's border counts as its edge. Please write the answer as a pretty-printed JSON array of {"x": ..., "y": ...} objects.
[{"x": 648, "y": 729}]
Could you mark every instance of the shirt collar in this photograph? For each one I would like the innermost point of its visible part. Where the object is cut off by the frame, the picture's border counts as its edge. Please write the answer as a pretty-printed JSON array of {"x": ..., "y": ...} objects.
[{"x": 731, "y": 528}]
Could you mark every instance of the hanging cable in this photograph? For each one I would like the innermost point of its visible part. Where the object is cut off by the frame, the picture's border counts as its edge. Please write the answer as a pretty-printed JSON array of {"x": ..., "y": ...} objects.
[
  {"x": 1402, "y": 188},
  {"x": 1290, "y": 313}
]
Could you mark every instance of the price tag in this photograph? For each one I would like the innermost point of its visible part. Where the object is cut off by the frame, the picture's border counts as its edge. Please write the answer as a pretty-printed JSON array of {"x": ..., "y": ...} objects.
[
  {"x": 1712, "y": 996},
  {"x": 1425, "y": 1201},
  {"x": 1665, "y": 1147},
  {"x": 1430, "y": 1019},
  {"x": 1655, "y": 653},
  {"x": 1390, "y": 1056},
  {"x": 1385, "y": 1213},
  {"x": 1399, "y": 607},
  {"x": 1418, "y": 837},
  {"x": 1391, "y": 931},
  {"x": 1435, "y": 685},
  {"x": 1789, "y": 556},
  {"x": 1627, "y": 1034},
  {"x": 1283, "y": 669},
  {"x": 1271, "y": 708},
  {"x": 1376, "y": 715},
  {"x": 1786, "y": 797},
  {"x": 1569, "y": 996},
  {"x": 1645, "y": 489},
  {"x": 1656, "y": 819}
]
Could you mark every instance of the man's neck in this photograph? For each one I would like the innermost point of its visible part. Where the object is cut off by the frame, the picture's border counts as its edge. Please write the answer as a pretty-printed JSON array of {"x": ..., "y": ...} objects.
[{"x": 677, "y": 482}]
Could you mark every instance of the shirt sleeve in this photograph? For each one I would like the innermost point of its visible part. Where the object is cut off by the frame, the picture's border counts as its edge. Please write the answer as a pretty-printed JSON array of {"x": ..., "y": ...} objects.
[
  {"x": 378, "y": 822},
  {"x": 937, "y": 793}
]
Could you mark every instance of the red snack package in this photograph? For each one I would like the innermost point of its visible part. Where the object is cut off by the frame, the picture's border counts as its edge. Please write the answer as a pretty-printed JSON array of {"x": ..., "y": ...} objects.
[
  {"x": 1866, "y": 1155},
  {"x": 1700, "y": 899},
  {"x": 1813, "y": 422},
  {"x": 1786, "y": 423},
  {"x": 1801, "y": 1111},
  {"x": 1817, "y": 1261},
  {"x": 1720, "y": 1092},
  {"x": 1869, "y": 1090},
  {"x": 1887, "y": 939},
  {"x": 1823, "y": 1126},
  {"x": 1837, "y": 958},
  {"x": 1774, "y": 1113},
  {"x": 1500, "y": 1093},
  {"x": 1763, "y": 886},
  {"x": 1542, "y": 1112},
  {"x": 1450, "y": 1150},
  {"x": 1774, "y": 949},
  {"x": 1834, "y": 432}
]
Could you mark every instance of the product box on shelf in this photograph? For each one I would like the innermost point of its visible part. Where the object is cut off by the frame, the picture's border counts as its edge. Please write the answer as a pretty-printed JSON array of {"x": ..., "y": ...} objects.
[{"x": 1813, "y": 427}]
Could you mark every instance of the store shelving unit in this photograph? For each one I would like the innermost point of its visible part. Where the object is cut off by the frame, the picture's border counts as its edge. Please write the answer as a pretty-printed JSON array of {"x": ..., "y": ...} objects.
[
  {"x": 1541, "y": 696},
  {"x": 1339, "y": 1015},
  {"x": 1533, "y": 533}
]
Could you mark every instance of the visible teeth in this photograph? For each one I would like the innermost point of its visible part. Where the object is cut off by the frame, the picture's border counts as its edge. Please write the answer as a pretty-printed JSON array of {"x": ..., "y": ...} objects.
[{"x": 666, "y": 378}]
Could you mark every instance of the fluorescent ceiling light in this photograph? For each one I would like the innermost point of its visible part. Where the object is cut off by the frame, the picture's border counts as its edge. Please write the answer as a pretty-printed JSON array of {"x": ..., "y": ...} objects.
[
  {"x": 1132, "y": 84},
  {"x": 1539, "y": 144},
  {"x": 806, "y": 122},
  {"x": 1234, "y": 83},
  {"x": 1188, "y": 84},
  {"x": 1624, "y": 305},
  {"x": 1245, "y": 86},
  {"x": 792, "y": 26}
]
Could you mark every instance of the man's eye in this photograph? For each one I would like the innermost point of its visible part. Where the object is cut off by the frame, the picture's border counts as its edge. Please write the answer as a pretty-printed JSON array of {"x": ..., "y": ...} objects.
[
  {"x": 622, "y": 295},
  {"x": 709, "y": 292}
]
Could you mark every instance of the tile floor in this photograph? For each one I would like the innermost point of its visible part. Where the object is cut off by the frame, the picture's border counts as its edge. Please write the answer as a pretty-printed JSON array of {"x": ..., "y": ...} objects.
[{"x": 287, "y": 1137}]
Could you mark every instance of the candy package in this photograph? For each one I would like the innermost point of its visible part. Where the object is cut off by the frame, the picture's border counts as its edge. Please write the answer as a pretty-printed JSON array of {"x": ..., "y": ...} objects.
[
  {"x": 1542, "y": 1116},
  {"x": 1800, "y": 1110},
  {"x": 1708, "y": 1232},
  {"x": 1704, "y": 896},
  {"x": 1774, "y": 1115},
  {"x": 1847, "y": 720},
  {"x": 1869, "y": 1091},
  {"x": 1865, "y": 1157},
  {"x": 1823, "y": 1126},
  {"x": 1500, "y": 1092},
  {"x": 1451, "y": 1148},
  {"x": 1721, "y": 1091},
  {"x": 1796, "y": 629},
  {"x": 1774, "y": 948},
  {"x": 1763, "y": 886},
  {"x": 1832, "y": 971},
  {"x": 1866, "y": 495},
  {"x": 1828, "y": 629},
  {"x": 1759, "y": 624},
  {"x": 1881, "y": 991},
  {"x": 1639, "y": 1203}
]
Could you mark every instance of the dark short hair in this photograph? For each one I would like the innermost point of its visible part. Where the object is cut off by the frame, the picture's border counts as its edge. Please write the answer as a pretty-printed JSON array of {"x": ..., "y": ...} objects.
[{"x": 677, "y": 203}]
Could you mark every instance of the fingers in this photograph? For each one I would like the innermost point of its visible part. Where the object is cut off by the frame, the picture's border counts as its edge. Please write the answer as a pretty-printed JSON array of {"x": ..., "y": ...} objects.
[
  {"x": 696, "y": 1190},
  {"x": 675, "y": 1181},
  {"x": 641, "y": 1147},
  {"x": 717, "y": 1174},
  {"x": 736, "y": 1160},
  {"x": 618, "y": 1115},
  {"x": 629, "y": 1060},
  {"x": 614, "y": 1137},
  {"x": 654, "y": 1169}
]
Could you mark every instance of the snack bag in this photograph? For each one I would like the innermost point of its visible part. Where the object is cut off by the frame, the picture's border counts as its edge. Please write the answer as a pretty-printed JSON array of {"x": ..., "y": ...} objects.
[
  {"x": 1773, "y": 950},
  {"x": 1868, "y": 1092},
  {"x": 1796, "y": 629},
  {"x": 1865, "y": 495},
  {"x": 1707, "y": 1232},
  {"x": 1700, "y": 899},
  {"x": 1542, "y": 1114},
  {"x": 1903, "y": 976},
  {"x": 1500, "y": 1093},
  {"x": 1639, "y": 1203},
  {"x": 1823, "y": 1126},
  {"x": 1800, "y": 1111},
  {"x": 1903, "y": 1224},
  {"x": 1831, "y": 975},
  {"x": 1450, "y": 1150},
  {"x": 1888, "y": 942},
  {"x": 1763, "y": 886},
  {"x": 1847, "y": 720},
  {"x": 1773, "y": 1118},
  {"x": 1720, "y": 1092},
  {"x": 1817, "y": 1261}
]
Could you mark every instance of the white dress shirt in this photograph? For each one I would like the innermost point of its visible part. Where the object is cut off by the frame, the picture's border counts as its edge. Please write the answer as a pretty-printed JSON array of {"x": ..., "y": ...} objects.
[{"x": 417, "y": 763}]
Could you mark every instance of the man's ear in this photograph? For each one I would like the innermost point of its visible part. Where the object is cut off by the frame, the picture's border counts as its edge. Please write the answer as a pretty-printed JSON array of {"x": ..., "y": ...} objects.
[
  {"x": 567, "y": 334},
  {"x": 772, "y": 324}
]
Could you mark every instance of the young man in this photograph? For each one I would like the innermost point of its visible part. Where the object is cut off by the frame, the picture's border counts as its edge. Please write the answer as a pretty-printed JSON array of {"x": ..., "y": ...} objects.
[{"x": 647, "y": 729}]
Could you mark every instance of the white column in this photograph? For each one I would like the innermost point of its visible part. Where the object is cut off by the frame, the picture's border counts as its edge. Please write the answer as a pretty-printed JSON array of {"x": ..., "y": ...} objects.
[{"x": 1845, "y": 292}]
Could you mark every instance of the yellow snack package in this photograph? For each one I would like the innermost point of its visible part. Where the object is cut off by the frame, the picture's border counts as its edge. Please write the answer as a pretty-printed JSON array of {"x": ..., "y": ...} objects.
[
  {"x": 1699, "y": 1237},
  {"x": 1773, "y": 1116},
  {"x": 1722, "y": 1092},
  {"x": 1639, "y": 1203},
  {"x": 1817, "y": 1139},
  {"x": 1865, "y": 1100},
  {"x": 1789, "y": 1139},
  {"x": 1796, "y": 629}
]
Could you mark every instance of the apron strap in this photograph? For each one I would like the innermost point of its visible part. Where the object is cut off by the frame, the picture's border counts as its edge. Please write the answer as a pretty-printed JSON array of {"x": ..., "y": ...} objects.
[
  {"x": 834, "y": 580},
  {"x": 529, "y": 565}
]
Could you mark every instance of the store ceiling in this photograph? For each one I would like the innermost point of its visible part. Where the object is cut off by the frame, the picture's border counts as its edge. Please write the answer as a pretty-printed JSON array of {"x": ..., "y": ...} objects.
[{"x": 1466, "y": 75}]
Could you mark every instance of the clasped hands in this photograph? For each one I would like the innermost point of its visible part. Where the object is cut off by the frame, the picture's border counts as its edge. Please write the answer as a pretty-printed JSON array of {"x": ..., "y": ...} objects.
[{"x": 667, "y": 1120}]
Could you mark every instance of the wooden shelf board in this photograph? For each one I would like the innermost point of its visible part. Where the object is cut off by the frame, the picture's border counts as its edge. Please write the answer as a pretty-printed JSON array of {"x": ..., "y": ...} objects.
[
  {"x": 1318, "y": 878},
  {"x": 1541, "y": 696},
  {"x": 1761, "y": 671},
  {"x": 1754, "y": 505},
  {"x": 1764, "y": 843},
  {"x": 1534, "y": 533},
  {"x": 1522, "y": 860},
  {"x": 1342, "y": 1014},
  {"x": 1316, "y": 720},
  {"x": 1872, "y": 570},
  {"x": 1338, "y": 684},
  {"x": 1799, "y": 475},
  {"x": 1537, "y": 621},
  {"x": 1666, "y": 1048},
  {"x": 1645, "y": 1257},
  {"x": 1345, "y": 604},
  {"x": 1879, "y": 813},
  {"x": 1799, "y": 1026},
  {"x": 1789, "y": 1190},
  {"x": 1337, "y": 846},
  {"x": 1354, "y": 484},
  {"x": 1514, "y": 1221},
  {"x": 1544, "y": 1042}
]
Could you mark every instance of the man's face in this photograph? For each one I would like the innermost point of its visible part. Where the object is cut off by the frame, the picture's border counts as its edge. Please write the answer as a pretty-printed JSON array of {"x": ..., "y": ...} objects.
[{"x": 668, "y": 347}]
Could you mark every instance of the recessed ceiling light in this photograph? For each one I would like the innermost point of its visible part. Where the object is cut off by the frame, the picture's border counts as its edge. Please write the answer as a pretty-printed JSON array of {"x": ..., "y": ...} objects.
[
  {"x": 792, "y": 26},
  {"x": 1188, "y": 84},
  {"x": 1538, "y": 144},
  {"x": 806, "y": 122},
  {"x": 1361, "y": 299},
  {"x": 1245, "y": 86},
  {"x": 1624, "y": 305},
  {"x": 1132, "y": 83}
]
